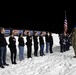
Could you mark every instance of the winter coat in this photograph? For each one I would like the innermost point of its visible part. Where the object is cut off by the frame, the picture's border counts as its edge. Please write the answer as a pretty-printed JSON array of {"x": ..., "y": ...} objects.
[
  {"x": 12, "y": 42},
  {"x": 41, "y": 40},
  {"x": 21, "y": 41},
  {"x": 63, "y": 39},
  {"x": 29, "y": 41},
  {"x": 51, "y": 40},
  {"x": 35, "y": 40},
  {"x": 3, "y": 42}
]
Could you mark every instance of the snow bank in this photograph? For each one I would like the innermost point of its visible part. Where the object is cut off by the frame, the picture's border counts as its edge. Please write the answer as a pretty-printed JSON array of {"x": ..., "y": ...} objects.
[
  {"x": 56, "y": 39},
  {"x": 51, "y": 64}
]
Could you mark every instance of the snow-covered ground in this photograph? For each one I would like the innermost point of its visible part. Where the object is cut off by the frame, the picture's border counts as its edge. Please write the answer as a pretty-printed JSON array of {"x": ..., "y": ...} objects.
[{"x": 51, "y": 64}]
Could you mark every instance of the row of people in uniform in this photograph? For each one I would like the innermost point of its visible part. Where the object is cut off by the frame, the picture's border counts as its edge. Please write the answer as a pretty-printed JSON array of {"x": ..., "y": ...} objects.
[
  {"x": 29, "y": 37},
  {"x": 65, "y": 42}
]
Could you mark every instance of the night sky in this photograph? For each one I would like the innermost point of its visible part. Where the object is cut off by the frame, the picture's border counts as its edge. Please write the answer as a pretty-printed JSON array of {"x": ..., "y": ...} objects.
[{"x": 46, "y": 19}]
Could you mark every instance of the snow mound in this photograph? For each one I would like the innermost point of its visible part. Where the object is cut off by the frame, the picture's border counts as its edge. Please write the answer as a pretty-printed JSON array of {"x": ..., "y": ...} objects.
[{"x": 50, "y": 64}]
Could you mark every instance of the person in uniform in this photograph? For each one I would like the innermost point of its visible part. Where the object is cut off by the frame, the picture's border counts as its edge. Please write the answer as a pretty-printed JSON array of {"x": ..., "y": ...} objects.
[{"x": 74, "y": 40}]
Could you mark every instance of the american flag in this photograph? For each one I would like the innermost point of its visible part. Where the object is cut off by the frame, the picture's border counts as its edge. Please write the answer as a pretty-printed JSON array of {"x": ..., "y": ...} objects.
[{"x": 65, "y": 23}]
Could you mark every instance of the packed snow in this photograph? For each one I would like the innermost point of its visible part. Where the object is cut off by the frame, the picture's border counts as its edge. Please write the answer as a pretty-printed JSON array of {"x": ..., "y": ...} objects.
[{"x": 51, "y": 64}]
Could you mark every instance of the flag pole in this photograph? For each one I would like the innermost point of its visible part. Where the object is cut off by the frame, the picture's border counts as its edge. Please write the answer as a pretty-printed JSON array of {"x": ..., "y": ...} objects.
[
  {"x": 71, "y": 32},
  {"x": 65, "y": 15}
]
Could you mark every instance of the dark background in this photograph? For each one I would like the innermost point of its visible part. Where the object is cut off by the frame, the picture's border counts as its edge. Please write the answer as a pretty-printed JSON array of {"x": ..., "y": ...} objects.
[{"x": 38, "y": 18}]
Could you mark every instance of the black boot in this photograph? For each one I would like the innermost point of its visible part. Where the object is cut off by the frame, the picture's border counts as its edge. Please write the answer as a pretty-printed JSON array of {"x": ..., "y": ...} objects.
[
  {"x": 15, "y": 62},
  {"x": 2, "y": 66},
  {"x": 74, "y": 57},
  {"x": 6, "y": 64},
  {"x": 12, "y": 62}
]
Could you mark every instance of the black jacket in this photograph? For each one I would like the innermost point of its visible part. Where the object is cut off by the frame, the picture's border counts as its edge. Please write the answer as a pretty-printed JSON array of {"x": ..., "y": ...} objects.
[
  {"x": 21, "y": 41},
  {"x": 3, "y": 42},
  {"x": 35, "y": 40},
  {"x": 63, "y": 39},
  {"x": 49, "y": 39},
  {"x": 12, "y": 42},
  {"x": 29, "y": 41},
  {"x": 41, "y": 40}
]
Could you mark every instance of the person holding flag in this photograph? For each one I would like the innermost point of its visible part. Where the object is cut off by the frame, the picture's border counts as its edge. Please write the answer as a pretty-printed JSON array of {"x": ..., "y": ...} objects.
[{"x": 63, "y": 37}]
